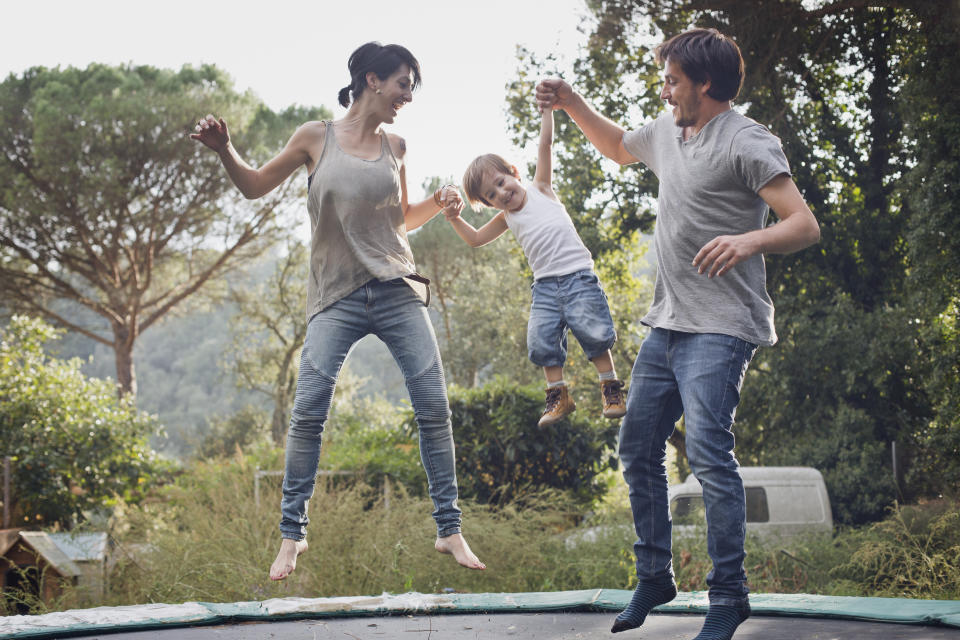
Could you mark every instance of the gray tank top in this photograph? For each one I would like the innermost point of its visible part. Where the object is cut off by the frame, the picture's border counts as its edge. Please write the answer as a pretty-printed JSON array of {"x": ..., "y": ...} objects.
[{"x": 356, "y": 223}]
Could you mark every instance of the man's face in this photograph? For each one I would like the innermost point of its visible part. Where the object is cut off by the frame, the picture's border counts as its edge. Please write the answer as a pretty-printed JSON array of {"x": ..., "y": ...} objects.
[{"x": 681, "y": 93}]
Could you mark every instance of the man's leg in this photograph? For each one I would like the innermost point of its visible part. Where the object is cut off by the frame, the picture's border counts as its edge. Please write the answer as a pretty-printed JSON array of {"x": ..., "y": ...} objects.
[
  {"x": 710, "y": 369},
  {"x": 653, "y": 407}
]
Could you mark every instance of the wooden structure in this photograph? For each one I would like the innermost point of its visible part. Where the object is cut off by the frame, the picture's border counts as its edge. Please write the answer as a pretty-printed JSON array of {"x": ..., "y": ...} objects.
[{"x": 33, "y": 564}]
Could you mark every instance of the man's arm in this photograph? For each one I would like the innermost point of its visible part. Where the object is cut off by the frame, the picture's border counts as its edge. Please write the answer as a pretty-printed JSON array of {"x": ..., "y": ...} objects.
[
  {"x": 605, "y": 134},
  {"x": 797, "y": 229}
]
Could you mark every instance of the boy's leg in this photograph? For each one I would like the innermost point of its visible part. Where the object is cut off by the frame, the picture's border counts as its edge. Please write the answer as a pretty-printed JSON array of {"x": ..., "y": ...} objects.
[
  {"x": 587, "y": 313},
  {"x": 400, "y": 319},
  {"x": 710, "y": 369},
  {"x": 547, "y": 347},
  {"x": 330, "y": 335},
  {"x": 653, "y": 407},
  {"x": 611, "y": 389},
  {"x": 559, "y": 403}
]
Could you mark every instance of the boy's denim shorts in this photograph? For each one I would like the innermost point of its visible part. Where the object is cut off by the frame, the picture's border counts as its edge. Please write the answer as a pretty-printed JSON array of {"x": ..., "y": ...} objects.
[{"x": 575, "y": 301}]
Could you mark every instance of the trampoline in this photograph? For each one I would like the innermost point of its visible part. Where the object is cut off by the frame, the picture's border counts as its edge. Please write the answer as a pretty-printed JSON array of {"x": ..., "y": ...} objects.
[{"x": 566, "y": 615}]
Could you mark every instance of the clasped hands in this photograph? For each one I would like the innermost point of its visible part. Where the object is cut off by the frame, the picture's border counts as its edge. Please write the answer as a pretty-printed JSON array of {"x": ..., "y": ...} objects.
[{"x": 448, "y": 197}]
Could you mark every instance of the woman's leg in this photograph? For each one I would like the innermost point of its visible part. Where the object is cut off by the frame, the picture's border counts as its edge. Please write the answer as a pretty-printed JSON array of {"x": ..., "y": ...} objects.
[
  {"x": 330, "y": 335},
  {"x": 400, "y": 319}
]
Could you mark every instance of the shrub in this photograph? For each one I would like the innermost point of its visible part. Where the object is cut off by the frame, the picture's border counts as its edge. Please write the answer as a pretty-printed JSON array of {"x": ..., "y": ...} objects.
[
  {"x": 502, "y": 454},
  {"x": 75, "y": 445}
]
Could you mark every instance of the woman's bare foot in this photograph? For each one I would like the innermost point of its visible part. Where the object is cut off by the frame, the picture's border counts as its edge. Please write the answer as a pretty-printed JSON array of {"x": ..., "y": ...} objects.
[
  {"x": 456, "y": 546},
  {"x": 286, "y": 560}
]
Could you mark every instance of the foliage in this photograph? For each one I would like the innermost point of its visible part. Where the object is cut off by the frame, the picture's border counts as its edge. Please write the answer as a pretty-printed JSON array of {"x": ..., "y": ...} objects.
[
  {"x": 367, "y": 438},
  {"x": 868, "y": 354},
  {"x": 913, "y": 553},
  {"x": 75, "y": 446},
  {"x": 236, "y": 432},
  {"x": 503, "y": 455},
  {"x": 107, "y": 203}
]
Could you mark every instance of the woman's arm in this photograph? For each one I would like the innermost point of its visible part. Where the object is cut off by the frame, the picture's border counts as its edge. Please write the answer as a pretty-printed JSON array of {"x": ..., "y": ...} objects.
[
  {"x": 419, "y": 213},
  {"x": 306, "y": 142}
]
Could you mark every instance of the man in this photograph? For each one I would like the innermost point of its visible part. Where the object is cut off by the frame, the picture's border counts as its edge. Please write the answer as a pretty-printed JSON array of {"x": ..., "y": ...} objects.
[{"x": 718, "y": 173}]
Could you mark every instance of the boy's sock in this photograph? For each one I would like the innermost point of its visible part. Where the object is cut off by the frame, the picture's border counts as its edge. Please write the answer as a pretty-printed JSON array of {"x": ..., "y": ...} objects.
[
  {"x": 645, "y": 597},
  {"x": 608, "y": 375},
  {"x": 722, "y": 621},
  {"x": 559, "y": 383}
]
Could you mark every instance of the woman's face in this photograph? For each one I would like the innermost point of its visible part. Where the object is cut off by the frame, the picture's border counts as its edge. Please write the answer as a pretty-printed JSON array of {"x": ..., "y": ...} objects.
[{"x": 395, "y": 91}]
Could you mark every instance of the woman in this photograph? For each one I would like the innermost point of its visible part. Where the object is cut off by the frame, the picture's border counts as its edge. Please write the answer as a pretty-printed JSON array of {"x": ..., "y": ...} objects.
[{"x": 360, "y": 264}]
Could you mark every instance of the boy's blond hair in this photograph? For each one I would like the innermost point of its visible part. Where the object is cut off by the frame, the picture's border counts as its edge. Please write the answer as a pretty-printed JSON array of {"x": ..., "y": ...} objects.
[{"x": 473, "y": 176}]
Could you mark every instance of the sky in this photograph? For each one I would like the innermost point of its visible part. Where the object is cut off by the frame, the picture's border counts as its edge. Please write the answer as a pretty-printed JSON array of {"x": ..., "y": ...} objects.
[{"x": 291, "y": 52}]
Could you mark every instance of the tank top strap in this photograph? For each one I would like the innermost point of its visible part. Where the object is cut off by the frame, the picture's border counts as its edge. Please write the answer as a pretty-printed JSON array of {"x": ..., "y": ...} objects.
[
  {"x": 328, "y": 142},
  {"x": 387, "y": 150}
]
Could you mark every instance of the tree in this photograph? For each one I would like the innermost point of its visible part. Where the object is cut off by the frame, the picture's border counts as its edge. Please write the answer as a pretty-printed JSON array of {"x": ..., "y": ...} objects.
[
  {"x": 75, "y": 445},
  {"x": 856, "y": 92},
  {"x": 106, "y": 202},
  {"x": 268, "y": 333}
]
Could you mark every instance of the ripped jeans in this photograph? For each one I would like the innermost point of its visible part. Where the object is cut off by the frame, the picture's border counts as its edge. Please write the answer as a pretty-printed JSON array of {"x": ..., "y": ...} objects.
[{"x": 393, "y": 312}]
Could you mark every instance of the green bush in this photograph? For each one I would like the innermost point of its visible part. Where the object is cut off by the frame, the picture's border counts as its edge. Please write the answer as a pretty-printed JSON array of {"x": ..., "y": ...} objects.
[
  {"x": 75, "y": 446},
  {"x": 502, "y": 454},
  {"x": 368, "y": 438}
]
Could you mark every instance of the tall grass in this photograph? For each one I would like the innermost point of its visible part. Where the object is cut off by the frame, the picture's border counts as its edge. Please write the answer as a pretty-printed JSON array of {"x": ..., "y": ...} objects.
[{"x": 208, "y": 540}]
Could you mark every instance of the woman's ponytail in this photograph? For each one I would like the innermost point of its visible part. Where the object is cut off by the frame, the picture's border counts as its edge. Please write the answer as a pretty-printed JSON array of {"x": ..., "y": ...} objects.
[{"x": 344, "y": 96}]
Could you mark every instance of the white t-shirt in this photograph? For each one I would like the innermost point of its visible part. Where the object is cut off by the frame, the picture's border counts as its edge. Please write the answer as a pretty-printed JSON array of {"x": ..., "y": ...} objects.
[{"x": 548, "y": 238}]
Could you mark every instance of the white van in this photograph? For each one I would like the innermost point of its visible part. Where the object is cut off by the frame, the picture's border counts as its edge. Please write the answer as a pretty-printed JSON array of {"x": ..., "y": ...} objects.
[{"x": 781, "y": 501}]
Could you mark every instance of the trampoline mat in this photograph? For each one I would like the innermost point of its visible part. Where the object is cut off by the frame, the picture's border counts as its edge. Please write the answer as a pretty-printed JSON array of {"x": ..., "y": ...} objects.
[{"x": 540, "y": 626}]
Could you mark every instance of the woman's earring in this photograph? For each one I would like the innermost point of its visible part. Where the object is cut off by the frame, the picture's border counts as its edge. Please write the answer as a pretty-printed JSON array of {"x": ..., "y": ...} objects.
[{"x": 379, "y": 92}]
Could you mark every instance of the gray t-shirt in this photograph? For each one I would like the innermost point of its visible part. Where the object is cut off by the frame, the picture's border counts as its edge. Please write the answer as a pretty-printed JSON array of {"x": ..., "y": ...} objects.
[
  {"x": 356, "y": 223},
  {"x": 708, "y": 188}
]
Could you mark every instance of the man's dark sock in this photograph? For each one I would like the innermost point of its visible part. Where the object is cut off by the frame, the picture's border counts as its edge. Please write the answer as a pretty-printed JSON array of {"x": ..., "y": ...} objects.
[
  {"x": 645, "y": 597},
  {"x": 722, "y": 621}
]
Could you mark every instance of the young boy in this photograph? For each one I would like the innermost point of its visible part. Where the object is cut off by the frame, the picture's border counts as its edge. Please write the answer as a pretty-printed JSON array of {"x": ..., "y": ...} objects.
[{"x": 566, "y": 292}]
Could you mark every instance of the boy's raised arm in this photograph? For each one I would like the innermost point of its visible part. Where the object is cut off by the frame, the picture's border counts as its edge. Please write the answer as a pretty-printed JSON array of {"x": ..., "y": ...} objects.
[
  {"x": 543, "y": 178},
  {"x": 605, "y": 134}
]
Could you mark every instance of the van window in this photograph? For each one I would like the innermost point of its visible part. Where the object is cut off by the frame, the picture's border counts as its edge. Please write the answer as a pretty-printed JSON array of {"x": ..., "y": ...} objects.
[
  {"x": 690, "y": 509},
  {"x": 757, "y": 510}
]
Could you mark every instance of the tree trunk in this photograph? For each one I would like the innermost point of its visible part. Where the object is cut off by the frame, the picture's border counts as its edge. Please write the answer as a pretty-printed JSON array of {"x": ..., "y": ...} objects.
[
  {"x": 123, "y": 355},
  {"x": 278, "y": 423}
]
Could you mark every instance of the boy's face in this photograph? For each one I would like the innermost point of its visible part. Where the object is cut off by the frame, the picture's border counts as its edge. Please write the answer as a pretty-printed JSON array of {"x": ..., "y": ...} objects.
[{"x": 503, "y": 190}]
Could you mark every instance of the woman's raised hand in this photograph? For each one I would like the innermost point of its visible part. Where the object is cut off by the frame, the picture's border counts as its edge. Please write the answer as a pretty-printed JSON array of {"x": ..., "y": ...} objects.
[{"x": 212, "y": 132}]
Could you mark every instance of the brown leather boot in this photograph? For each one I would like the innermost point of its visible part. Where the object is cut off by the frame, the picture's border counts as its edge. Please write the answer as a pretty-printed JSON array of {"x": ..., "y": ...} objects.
[
  {"x": 559, "y": 404},
  {"x": 614, "y": 400}
]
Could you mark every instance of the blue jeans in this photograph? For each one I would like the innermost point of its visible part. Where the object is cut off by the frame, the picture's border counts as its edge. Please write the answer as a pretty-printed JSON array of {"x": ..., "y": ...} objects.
[
  {"x": 575, "y": 301},
  {"x": 697, "y": 376},
  {"x": 393, "y": 312}
]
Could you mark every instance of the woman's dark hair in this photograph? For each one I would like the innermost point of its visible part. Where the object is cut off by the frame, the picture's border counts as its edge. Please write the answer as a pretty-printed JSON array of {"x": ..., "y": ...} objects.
[
  {"x": 706, "y": 54},
  {"x": 383, "y": 60}
]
